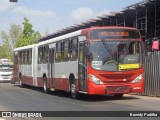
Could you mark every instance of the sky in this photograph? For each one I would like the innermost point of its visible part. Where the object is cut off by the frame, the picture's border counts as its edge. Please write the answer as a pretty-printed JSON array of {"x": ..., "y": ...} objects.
[{"x": 53, "y": 15}]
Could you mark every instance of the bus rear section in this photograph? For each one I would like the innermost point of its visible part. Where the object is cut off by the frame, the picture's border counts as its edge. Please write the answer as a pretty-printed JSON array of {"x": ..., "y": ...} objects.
[
  {"x": 6, "y": 70},
  {"x": 23, "y": 70}
]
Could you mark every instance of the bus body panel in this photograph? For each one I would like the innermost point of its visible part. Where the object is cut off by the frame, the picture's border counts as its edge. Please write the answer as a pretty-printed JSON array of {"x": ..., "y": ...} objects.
[{"x": 26, "y": 72}]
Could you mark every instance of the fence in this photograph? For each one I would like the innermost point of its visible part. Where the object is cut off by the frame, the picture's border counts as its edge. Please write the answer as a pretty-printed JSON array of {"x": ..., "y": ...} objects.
[{"x": 152, "y": 74}]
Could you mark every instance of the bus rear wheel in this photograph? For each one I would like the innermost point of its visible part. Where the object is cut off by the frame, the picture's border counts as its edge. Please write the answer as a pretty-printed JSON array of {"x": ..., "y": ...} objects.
[
  {"x": 20, "y": 81},
  {"x": 45, "y": 89},
  {"x": 74, "y": 93}
]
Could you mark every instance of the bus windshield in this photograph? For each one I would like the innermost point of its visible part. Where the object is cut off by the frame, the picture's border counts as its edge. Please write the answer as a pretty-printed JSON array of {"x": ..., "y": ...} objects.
[
  {"x": 115, "y": 55},
  {"x": 6, "y": 65}
]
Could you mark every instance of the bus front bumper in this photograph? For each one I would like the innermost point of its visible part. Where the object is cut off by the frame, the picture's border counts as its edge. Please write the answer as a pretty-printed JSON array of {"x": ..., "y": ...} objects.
[
  {"x": 115, "y": 88},
  {"x": 5, "y": 79}
]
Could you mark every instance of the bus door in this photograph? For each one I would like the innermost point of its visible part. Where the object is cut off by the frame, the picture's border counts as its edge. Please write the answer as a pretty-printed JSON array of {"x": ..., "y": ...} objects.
[
  {"x": 82, "y": 67},
  {"x": 51, "y": 66}
]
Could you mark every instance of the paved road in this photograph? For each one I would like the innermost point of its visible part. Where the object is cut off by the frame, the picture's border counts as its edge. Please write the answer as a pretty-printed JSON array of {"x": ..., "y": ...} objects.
[{"x": 15, "y": 98}]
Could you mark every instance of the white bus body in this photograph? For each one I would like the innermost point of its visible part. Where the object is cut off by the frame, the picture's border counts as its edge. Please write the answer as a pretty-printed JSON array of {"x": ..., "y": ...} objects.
[{"x": 6, "y": 70}]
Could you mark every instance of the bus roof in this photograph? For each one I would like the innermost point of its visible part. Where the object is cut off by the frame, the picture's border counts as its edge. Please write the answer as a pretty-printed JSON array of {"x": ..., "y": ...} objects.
[
  {"x": 72, "y": 34},
  {"x": 24, "y": 47}
]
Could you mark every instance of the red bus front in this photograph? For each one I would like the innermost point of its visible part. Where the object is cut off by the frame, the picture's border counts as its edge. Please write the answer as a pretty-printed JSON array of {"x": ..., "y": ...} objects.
[{"x": 115, "y": 62}]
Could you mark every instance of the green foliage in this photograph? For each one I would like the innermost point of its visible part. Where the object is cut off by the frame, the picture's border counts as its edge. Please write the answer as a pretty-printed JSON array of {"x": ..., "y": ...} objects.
[
  {"x": 28, "y": 36},
  {"x": 9, "y": 40},
  {"x": 17, "y": 38},
  {"x": 5, "y": 53}
]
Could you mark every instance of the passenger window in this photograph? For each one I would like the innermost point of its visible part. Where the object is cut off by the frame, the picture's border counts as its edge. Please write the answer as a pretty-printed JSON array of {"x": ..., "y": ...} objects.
[
  {"x": 30, "y": 57},
  {"x": 74, "y": 49},
  {"x": 43, "y": 54},
  {"x": 20, "y": 57},
  {"x": 40, "y": 49},
  {"x": 66, "y": 53},
  {"x": 58, "y": 52}
]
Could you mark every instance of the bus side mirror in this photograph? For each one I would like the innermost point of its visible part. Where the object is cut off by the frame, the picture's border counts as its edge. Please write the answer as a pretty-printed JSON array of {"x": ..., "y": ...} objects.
[{"x": 155, "y": 45}]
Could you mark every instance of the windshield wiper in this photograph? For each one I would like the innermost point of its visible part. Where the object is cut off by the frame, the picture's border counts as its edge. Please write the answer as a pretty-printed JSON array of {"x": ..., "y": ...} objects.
[
  {"x": 108, "y": 50},
  {"x": 126, "y": 50}
]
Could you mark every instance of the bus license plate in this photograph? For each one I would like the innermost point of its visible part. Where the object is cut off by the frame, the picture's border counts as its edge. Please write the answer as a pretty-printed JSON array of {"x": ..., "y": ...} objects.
[{"x": 5, "y": 77}]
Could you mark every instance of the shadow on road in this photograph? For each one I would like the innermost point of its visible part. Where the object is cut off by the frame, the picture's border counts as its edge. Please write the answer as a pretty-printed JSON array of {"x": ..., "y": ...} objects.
[{"x": 82, "y": 97}]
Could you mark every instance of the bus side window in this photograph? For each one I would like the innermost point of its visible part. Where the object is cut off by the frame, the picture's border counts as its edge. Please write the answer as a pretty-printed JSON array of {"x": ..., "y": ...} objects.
[
  {"x": 23, "y": 57},
  {"x": 15, "y": 57},
  {"x": 18, "y": 55},
  {"x": 40, "y": 54},
  {"x": 66, "y": 54},
  {"x": 46, "y": 54},
  {"x": 74, "y": 49},
  {"x": 58, "y": 52},
  {"x": 27, "y": 57},
  {"x": 30, "y": 56}
]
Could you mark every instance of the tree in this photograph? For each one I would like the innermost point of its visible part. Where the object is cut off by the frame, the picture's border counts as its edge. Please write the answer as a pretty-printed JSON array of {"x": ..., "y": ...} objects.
[
  {"x": 9, "y": 41},
  {"x": 28, "y": 36},
  {"x": 15, "y": 32}
]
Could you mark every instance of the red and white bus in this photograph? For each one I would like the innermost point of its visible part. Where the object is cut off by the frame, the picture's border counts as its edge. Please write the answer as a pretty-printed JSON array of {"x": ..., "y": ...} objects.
[{"x": 96, "y": 60}]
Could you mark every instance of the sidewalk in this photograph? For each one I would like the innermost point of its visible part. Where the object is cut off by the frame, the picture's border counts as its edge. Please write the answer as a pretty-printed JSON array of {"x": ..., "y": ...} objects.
[{"x": 143, "y": 96}]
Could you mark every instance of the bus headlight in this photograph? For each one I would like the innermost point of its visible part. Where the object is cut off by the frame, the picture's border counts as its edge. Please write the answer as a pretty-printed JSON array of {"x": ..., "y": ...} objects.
[
  {"x": 138, "y": 79},
  {"x": 95, "y": 80}
]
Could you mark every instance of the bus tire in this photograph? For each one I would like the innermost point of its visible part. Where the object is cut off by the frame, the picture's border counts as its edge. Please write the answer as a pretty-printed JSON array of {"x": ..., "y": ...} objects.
[
  {"x": 118, "y": 95},
  {"x": 74, "y": 93},
  {"x": 13, "y": 81},
  {"x": 45, "y": 89},
  {"x": 20, "y": 81}
]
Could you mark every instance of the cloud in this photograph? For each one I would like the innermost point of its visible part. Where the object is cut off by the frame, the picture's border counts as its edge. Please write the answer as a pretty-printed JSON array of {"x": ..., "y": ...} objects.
[
  {"x": 100, "y": 13},
  {"x": 82, "y": 13},
  {"x": 41, "y": 20},
  {"x": 6, "y": 5},
  {"x": 24, "y": 11}
]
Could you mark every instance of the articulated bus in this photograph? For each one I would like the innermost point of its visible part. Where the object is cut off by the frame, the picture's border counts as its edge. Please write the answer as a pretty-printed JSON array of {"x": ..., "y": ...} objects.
[{"x": 96, "y": 60}]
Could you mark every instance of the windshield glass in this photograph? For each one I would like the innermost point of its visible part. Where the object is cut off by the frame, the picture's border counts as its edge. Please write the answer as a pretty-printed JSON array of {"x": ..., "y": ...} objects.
[
  {"x": 6, "y": 68},
  {"x": 116, "y": 55}
]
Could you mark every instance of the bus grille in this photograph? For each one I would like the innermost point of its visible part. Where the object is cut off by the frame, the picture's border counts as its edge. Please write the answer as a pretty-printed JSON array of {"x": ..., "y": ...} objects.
[
  {"x": 118, "y": 89},
  {"x": 5, "y": 75}
]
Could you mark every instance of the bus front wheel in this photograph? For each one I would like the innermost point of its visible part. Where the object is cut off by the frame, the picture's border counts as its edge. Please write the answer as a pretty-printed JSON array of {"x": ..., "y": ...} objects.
[
  {"x": 118, "y": 95},
  {"x": 74, "y": 93}
]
